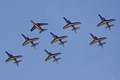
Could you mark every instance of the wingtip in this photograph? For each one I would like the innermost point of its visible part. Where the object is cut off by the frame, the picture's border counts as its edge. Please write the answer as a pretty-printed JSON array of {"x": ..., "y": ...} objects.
[
  {"x": 60, "y": 52},
  {"x": 51, "y": 33},
  {"x": 90, "y": 33},
  {"x": 22, "y": 34},
  {"x": 64, "y": 18},
  {"x": 6, "y": 52},
  {"x": 31, "y": 20},
  {"x": 45, "y": 50}
]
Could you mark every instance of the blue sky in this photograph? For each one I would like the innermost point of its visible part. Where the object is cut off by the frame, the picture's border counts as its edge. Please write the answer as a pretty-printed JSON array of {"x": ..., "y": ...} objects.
[{"x": 80, "y": 61}]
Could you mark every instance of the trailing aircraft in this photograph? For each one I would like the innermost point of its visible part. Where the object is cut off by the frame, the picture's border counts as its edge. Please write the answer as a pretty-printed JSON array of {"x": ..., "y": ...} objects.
[
  {"x": 28, "y": 40},
  {"x": 56, "y": 39},
  {"x": 11, "y": 57},
  {"x": 71, "y": 24},
  {"x": 50, "y": 56},
  {"x": 38, "y": 26},
  {"x": 104, "y": 21},
  {"x": 96, "y": 39}
]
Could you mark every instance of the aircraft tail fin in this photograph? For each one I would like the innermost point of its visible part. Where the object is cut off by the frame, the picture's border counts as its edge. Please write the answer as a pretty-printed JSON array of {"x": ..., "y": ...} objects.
[
  {"x": 34, "y": 45},
  {"x": 56, "y": 60},
  {"x": 74, "y": 29},
  {"x": 42, "y": 30}
]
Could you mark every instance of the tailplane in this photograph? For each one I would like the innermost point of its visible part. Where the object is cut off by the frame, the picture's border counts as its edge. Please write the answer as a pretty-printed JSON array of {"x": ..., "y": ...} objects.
[
  {"x": 42, "y": 30},
  {"x": 109, "y": 26},
  {"x": 101, "y": 44},
  {"x": 17, "y": 61},
  {"x": 62, "y": 43},
  {"x": 74, "y": 29},
  {"x": 34, "y": 45},
  {"x": 56, "y": 60}
]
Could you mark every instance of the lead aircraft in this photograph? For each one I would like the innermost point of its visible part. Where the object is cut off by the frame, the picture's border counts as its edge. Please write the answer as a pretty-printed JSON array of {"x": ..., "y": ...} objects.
[
  {"x": 50, "y": 56},
  {"x": 98, "y": 40},
  {"x": 38, "y": 26},
  {"x": 71, "y": 24},
  {"x": 104, "y": 21},
  {"x": 11, "y": 57},
  {"x": 56, "y": 39},
  {"x": 28, "y": 40}
]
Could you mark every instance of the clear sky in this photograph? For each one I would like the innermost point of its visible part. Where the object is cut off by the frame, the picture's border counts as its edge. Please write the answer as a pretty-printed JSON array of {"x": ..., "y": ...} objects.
[{"x": 80, "y": 61}]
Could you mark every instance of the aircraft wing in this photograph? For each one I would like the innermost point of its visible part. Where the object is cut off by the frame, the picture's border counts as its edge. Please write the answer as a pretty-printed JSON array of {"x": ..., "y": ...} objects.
[
  {"x": 93, "y": 42},
  {"x": 19, "y": 56},
  {"x": 71, "y": 24},
  {"x": 76, "y": 23},
  {"x": 67, "y": 26},
  {"x": 34, "y": 39},
  {"x": 57, "y": 39},
  {"x": 25, "y": 43},
  {"x": 47, "y": 52},
  {"x": 101, "y": 17},
  {"x": 41, "y": 24},
  {"x": 92, "y": 35},
  {"x": 29, "y": 41},
  {"x": 9, "y": 59},
  {"x": 103, "y": 38},
  {"x": 48, "y": 58},
  {"x": 100, "y": 24},
  {"x": 63, "y": 37},
  {"x": 55, "y": 36},
  {"x": 67, "y": 21},
  {"x": 51, "y": 56},
  {"x": 56, "y": 54},
  {"x": 110, "y": 20},
  {"x": 32, "y": 28},
  {"x": 10, "y": 55},
  {"x": 24, "y": 36}
]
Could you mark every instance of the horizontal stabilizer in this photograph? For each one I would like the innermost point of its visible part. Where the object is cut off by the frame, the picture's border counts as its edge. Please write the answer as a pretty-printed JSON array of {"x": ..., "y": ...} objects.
[
  {"x": 17, "y": 61},
  {"x": 56, "y": 60},
  {"x": 109, "y": 26},
  {"x": 42, "y": 30},
  {"x": 63, "y": 42},
  {"x": 102, "y": 44},
  {"x": 33, "y": 45},
  {"x": 75, "y": 28}
]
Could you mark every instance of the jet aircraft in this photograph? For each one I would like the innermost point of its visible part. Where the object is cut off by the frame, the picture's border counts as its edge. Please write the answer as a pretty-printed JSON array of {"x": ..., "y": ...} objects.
[
  {"x": 104, "y": 21},
  {"x": 11, "y": 57},
  {"x": 50, "y": 56},
  {"x": 96, "y": 39},
  {"x": 71, "y": 24},
  {"x": 28, "y": 40},
  {"x": 56, "y": 39},
  {"x": 38, "y": 26}
]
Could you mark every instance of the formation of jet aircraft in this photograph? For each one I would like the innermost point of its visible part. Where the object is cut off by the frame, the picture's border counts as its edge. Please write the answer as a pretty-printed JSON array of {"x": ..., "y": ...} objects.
[
  {"x": 11, "y": 57},
  {"x": 38, "y": 26},
  {"x": 98, "y": 40},
  {"x": 71, "y": 24},
  {"x": 50, "y": 56},
  {"x": 56, "y": 39},
  {"x": 104, "y": 21},
  {"x": 28, "y": 40}
]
